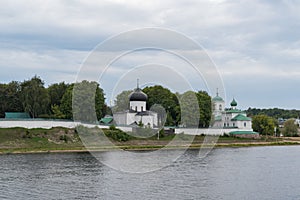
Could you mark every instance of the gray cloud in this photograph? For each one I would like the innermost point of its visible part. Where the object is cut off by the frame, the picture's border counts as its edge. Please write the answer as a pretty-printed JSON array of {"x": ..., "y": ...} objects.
[{"x": 255, "y": 44}]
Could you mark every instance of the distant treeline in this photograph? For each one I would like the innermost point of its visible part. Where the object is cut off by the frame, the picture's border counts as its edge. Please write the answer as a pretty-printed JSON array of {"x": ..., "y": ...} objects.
[
  {"x": 56, "y": 102},
  {"x": 274, "y": 112},
  {"x": 53, "y": 102}
]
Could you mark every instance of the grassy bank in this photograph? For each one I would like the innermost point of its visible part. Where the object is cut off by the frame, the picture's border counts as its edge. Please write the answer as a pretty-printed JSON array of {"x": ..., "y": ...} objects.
[{"x": 21, "y": 140}]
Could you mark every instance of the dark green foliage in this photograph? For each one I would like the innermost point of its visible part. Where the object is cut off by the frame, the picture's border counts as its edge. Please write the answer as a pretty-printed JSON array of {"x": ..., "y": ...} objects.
[
  {"x": 53, "y": 102},
  {"x": 88, "y": 102},
  {"x": 263, "y": 124},
  {"x": 66, "y": 103},
  {"x": 274, "y": 112},
  {"x": 290, "y": 128},
  {"x": 56, "y": 91},
  {"x": 34, "y": 97},
  {"x": 122, "y": 101},
  {"x": 190, "y": 111},
  {"x": 112, "y": 127},
  {"x": 158, "y": 95},
  {"x": 205, "y": 108},
  {"x": 196, "y": 109},
  {"x": 10, "y": 98},
  {"x": 117, "y": 135},
  {"x": 162, "y": 133}
]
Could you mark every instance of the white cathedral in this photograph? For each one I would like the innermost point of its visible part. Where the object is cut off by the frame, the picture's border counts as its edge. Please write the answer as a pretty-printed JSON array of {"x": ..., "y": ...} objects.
[
  {"x": 136, "y": 112},
  {"x": 232, "y": 118}
]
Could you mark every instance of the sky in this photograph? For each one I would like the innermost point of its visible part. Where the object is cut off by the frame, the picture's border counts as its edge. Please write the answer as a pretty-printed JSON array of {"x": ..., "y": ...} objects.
[{"x": 253, "y": 44}]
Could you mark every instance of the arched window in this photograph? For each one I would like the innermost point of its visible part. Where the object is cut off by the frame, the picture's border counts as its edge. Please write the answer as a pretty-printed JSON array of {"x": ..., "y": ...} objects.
[
  {"x": 245, "y": 124},
  {"x": 220, "y": 107},
  {"x": 142, "y": 108},
  {"x": 136, "y": 108}
]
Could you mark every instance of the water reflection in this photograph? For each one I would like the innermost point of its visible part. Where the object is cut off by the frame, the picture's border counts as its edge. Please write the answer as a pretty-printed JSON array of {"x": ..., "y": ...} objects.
[{"x": 229, "y": 173}]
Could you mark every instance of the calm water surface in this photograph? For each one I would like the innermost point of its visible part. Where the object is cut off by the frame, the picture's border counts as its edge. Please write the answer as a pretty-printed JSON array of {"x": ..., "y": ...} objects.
[{"x": 227, "y": 173}]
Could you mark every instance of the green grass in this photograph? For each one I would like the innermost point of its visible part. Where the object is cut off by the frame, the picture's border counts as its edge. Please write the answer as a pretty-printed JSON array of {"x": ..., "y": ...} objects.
[{"x": 61, "y": 139}]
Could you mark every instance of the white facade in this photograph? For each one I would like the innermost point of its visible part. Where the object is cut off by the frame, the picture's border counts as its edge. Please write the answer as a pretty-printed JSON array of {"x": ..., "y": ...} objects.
[
  {"x": 218, "y": 105},
  {"x": 232, "y": 118},
  {"x": 137, "y": 106},
  {"x": 126, "y": 118},
  {"x": 136, "y": 112}
]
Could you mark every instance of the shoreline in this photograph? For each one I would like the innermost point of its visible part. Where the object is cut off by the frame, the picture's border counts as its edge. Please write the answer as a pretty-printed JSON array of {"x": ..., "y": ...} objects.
[{"x": 146, "y": 148}]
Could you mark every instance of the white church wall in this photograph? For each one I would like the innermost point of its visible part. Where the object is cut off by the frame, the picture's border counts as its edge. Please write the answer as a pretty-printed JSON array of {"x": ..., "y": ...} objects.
[
  {"x": 120, "y": 118},
  {"x": 131, "y": 118},
  {"x": 138, "y": 106},
  {"x": 207, "y": 131}
]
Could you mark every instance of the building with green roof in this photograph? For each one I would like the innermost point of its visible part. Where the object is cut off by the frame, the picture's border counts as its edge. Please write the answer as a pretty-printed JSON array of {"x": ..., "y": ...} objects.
[
  {"x": 17, "y": 115},
  {"x": 231, "y": 119},
  {"x": 218, "y": 105}
]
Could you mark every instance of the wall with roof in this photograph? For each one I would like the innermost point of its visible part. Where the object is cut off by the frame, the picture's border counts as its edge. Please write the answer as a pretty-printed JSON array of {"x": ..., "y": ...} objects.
[
  {"x": 47, "y": 124},
  {"x": 206, "y": 131}
]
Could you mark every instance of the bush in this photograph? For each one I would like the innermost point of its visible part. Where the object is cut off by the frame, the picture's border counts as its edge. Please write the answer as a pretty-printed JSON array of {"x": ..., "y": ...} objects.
[
  {"x": 64, "y": 138},
  {"x": 162, "y": 133},
  {"x": 112, "y": 127},
  {"x": 117, "y": 135}
]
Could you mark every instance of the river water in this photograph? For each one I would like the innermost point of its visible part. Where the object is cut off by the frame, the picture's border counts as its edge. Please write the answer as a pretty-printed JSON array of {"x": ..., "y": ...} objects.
[{"x": 225, "y": 173}]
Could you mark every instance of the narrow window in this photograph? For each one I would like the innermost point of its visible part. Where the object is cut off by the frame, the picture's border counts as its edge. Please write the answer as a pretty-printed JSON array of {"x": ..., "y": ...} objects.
[
  {"x": 233, "y": 124},
  {"x": 136, "y": 108},
  {"x": 245, "y": 124},
  {"x": 220, "y": 107},
  {"x": 142, "y": 108}
]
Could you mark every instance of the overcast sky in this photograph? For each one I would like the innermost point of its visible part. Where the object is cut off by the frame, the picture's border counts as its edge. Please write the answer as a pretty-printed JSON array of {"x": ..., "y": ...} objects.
[{"x": 255, "y": 44}]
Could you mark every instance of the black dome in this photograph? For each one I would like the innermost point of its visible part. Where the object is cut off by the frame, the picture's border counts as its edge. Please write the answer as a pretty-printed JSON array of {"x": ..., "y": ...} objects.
[{"x": 138, "y": 95}]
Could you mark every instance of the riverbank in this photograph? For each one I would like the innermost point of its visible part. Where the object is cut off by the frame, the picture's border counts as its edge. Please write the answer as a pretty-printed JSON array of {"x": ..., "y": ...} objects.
[{"x": 56, "y": 140}]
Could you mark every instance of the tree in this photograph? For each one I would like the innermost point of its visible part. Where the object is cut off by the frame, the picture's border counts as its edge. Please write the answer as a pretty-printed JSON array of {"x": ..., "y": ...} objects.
[
  {"x": 290, "y": 128},
  {"x": 34, "y": 97},
  {"x": 66, "y": 103},
  {"x": 263, "y": 124},
  {"x": 122, "y": 101},
  {"x": 10, "y": 98},
  {"x": 190, "y": 113},
  {"x": 57, "y": 113},
  {"x": 205, "y": 108},
  {"x": 56, "y": 91},
  {"x": 88, "y": 101},
  {"x": 158, "y": 95}
]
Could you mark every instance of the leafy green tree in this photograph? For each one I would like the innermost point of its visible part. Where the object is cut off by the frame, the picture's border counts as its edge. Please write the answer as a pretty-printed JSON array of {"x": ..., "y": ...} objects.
[
  {"x": 122, "y": 101},
  {"x": 34, "y": 97},
  {"x": 56, "y": 91},
  {"x": 205, "y": 108},
  {"x": 274, "y": 112},
  {"x": 263, "y": 124},
  {"x": 190, "y": 113},
  {"x": 158, "y": 95},
  {"x": 57, "y": 113},
  {"x": 10, "y": 98},
  {"x": 66, "y": 103},
  {"x": 290, "y": 128},
  {"x": 88, "y": 101}
]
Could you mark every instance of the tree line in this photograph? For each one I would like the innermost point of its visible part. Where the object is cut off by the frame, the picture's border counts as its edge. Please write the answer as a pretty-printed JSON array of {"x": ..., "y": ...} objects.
[
  {"x": 55, "y": 101},
  {"x": 274, "y": 113},
  {"x": 177, "y": 108},
  {"x": 192, "y": 109}
]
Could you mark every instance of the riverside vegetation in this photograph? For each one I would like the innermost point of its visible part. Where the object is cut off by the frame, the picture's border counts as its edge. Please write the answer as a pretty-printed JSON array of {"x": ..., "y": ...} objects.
[{"x": 21, "y": 140}]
